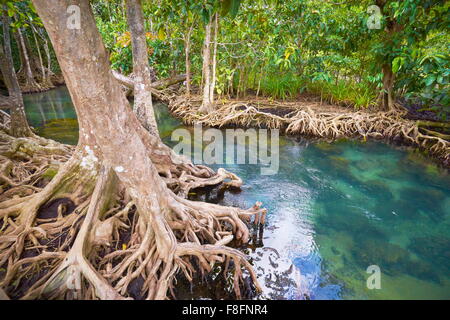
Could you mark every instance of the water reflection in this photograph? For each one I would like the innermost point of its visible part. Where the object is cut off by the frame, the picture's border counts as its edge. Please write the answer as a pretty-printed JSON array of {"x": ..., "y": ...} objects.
[{"x": 334, "y": 209}]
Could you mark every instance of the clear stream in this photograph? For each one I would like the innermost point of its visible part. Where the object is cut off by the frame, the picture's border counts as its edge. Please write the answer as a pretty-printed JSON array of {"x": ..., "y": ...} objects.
[{"x": 334, "y": 210}]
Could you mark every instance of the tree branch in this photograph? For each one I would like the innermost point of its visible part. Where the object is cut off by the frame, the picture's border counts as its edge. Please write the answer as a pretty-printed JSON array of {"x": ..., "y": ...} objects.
[{"x": 160, "y": 84}]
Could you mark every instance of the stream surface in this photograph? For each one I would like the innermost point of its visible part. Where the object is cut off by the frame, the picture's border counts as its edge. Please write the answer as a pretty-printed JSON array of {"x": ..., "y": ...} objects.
[{"x": 334, "y": 210}]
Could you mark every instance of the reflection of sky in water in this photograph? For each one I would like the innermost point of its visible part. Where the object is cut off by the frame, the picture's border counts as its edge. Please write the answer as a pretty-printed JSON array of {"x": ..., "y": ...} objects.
[{"x": 334, "y": 209}]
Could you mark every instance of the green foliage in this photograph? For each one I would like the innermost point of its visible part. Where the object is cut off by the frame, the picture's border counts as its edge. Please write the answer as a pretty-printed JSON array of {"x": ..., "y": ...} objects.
[
  {"x": 292, "y": 47},
  {"x": 425, "y": 71},
  {"x": 349, "y": 94},
  {"x": 281, "y": 87}
]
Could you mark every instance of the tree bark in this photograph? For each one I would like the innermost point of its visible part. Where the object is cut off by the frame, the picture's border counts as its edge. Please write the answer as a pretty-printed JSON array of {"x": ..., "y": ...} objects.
[
  {"x": 214, "y": 61},
  {"x": 187, "y": 50},
  {"x": 386, "y": 99},
  {"x": 158, "y": 85},
  {"x": 30, "y": 82},
  {"x": 109, "y": 127},
  {"x": 19, "y": 124},
  {"x": 111, "y": 136},
  {"x": 206, "y": 69},
  {"x": 41, "y": 61},
  {"x": 143, "y": 106}
]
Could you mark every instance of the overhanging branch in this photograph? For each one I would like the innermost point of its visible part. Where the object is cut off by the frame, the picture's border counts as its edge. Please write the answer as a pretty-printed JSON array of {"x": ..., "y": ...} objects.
[{"x": 160, "y": 84}]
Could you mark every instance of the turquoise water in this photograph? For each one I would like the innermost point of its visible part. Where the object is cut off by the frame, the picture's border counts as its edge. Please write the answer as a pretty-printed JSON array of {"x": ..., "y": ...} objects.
[{"x": 334, "y": 210}]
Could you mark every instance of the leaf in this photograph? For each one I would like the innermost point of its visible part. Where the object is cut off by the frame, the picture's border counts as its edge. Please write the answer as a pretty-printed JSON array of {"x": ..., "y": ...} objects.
[
  {"x": 205, "y": 15},
  {"x": 397, "y": 64},
  {"x": 124, "y": 40},
  {"x": 161, "y": 34},
  {"x": 429, "y": 80},
  {"x": 235, "y": 4},
  {"x": 226, "y": 7}
]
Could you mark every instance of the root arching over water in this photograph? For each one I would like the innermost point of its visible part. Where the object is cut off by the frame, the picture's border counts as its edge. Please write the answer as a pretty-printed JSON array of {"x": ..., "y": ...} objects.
[{"x": 69, "y": 229}]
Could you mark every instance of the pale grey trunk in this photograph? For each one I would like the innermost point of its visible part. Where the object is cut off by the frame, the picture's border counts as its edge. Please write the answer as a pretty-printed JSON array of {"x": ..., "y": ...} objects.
[
  {"x": 214, "y": 61},
  {"x": 143, "y": 106},
  {"x": 41, "y": 61},
  {"x": 206, "y": 105},
  {"x": 30, "y": 82},
  {"x": 187, "y": 49},
  {"x": 19, "y": 124}
]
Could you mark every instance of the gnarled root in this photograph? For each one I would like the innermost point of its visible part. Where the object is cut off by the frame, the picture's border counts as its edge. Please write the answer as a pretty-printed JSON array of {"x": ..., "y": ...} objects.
[
  {"x": 96, "y": 241},
  {"x": 190, "y": 230},
  {"x": 310, "y": 119},
  {"x": 25, "y": 238}
]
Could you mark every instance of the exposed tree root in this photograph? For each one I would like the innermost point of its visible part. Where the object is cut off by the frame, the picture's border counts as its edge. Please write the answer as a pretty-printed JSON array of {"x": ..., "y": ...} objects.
[
  {"x": 310, "y": 119},
  {"x": 81, "y": 252},
  {"x": 38, "y": 84}
]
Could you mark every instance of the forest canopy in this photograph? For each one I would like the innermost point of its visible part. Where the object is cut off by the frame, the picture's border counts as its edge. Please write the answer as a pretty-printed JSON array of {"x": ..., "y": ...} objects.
[{"x": 281, "y": 49}]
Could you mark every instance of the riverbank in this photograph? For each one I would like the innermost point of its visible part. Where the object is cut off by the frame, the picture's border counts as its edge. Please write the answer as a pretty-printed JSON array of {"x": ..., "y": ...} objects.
[
  {"x": 314, "y": 119},
  {"x": 56, "y": 80}
]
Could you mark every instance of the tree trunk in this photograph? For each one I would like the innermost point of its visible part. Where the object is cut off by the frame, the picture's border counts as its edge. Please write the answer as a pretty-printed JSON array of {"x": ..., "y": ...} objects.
[
  {"x": 143, "y": 106},
  {"x": 30, "y": 82},
  {"x": 111, "y": 136},
  {"x": 187, "y": 49},
  {"x": 206, "y": 69},
  {"x": 41, "y": 61},
  {"x": 110, "y": 129},
  {"x": 49, "y": 63},
  {"x": 214, "y": 61},
  {"x": 19, "y": 124},
  {"x": 386, "y": 98}
]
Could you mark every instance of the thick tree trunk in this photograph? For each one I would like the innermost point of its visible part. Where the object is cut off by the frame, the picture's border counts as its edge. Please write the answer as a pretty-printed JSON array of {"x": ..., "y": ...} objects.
[
  {"x": 111, "y": 130},
  {"x": 168, "y": 228},
  {"x": 19, "y": 124},
  {"x": 143, "y": 106}
]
